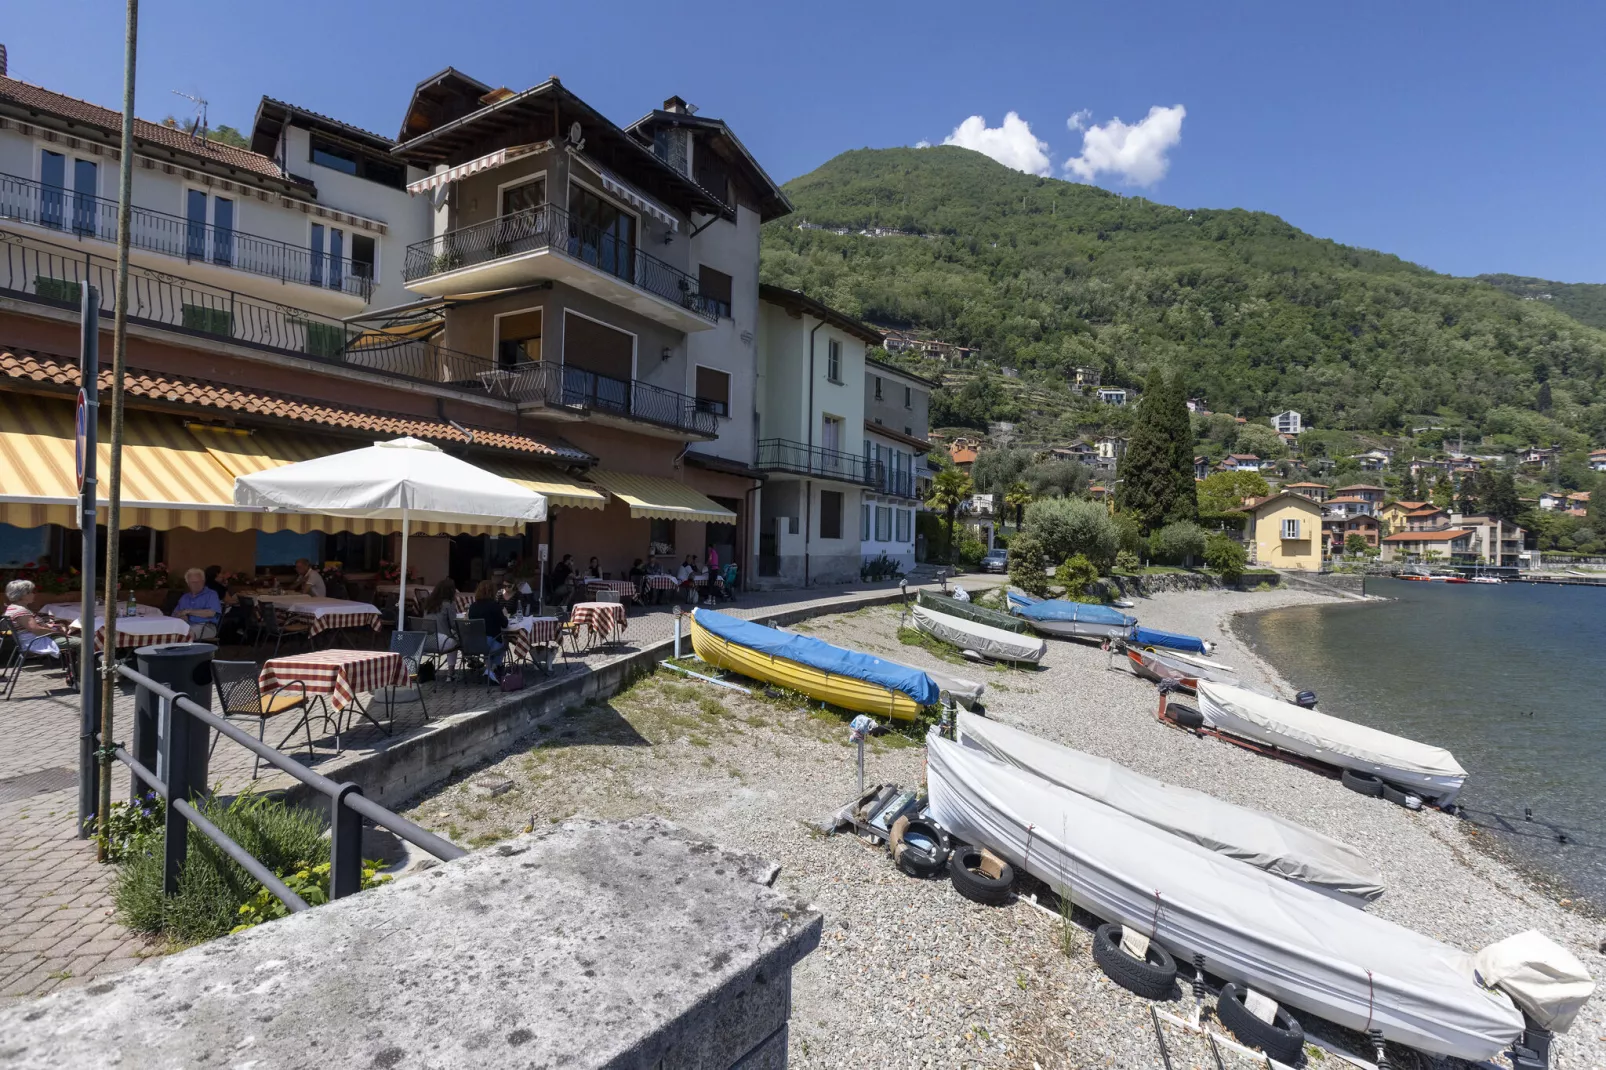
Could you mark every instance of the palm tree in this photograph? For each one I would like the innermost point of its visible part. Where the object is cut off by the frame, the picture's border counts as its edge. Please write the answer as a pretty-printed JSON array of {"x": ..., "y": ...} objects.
[
  {"x": 949, "y": 490},
  {"x": 1018, "y": 497}
]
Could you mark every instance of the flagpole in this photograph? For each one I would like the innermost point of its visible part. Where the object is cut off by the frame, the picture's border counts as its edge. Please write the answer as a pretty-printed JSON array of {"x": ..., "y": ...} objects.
[{"x": 125, "y": 184}]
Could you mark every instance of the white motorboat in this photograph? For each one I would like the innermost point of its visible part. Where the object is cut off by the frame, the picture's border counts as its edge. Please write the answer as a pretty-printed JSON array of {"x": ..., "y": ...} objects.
[
  {"x": 990, "y": 642},
  {"x": 1303, "y": 948},
  {"x": 1279, "y": 847},
  {"x": 1429, "y": 771}
]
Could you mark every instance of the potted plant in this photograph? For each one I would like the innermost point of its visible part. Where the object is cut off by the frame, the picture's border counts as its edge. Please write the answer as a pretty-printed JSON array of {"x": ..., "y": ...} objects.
[
  {"x": 390, "y": 572},
  {"x": 51, "y": 584},
  {"x": 149, "y": 583}
]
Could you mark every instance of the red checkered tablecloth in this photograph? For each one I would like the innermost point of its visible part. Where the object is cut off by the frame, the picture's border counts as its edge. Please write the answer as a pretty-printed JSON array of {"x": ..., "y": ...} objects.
[
  {"x": 146, "y": 631},
  {"x": 340, "y": 674},
  {"x": 538, "y": 631},
  {"x": 321, "y": 616},
  {"x": 661, "y": 582},
  {"x": 464, "y": 600},
  {"x": 624, "y": 587},
  {"x": 601, "y": 617}
]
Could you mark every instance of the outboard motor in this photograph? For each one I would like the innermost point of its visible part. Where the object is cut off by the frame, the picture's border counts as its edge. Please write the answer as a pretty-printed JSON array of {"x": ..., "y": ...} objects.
[{"x": 1305, "y": 700}]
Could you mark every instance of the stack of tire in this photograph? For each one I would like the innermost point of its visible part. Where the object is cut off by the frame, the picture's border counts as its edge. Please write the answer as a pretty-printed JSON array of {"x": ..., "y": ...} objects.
[{"x": 1377, "y": 788}]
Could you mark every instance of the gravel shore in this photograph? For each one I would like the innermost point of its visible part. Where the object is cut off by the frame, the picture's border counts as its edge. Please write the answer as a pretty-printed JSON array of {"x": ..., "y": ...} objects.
[{"x": 911, "y": 975}]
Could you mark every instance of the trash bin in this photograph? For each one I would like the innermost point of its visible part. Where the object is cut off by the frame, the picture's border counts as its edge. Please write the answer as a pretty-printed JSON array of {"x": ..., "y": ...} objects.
[{"x": 187, "y": 669}]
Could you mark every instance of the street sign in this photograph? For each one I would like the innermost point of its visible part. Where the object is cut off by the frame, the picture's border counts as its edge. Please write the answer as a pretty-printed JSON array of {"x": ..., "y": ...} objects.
[{"x": 81, "y": 445}]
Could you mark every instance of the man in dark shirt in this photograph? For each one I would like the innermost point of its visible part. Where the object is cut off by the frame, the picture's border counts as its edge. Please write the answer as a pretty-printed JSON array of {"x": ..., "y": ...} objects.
[{"x": 563, "y": 580}]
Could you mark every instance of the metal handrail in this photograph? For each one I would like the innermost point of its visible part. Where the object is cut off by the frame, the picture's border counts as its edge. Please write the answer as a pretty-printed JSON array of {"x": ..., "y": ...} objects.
[
  {"x": 27, "y": 201},
  {"x": 548, "y": 228},
  {"x": 52, "y": 274},
  {"x": 572, "y": 387},
  {"x": 784, "y": 455},
  {"x": 347, "y": 806}
]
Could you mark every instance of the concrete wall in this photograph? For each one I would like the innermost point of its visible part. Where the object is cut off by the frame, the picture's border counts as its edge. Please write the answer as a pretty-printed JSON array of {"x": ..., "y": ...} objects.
[
  {"x": 890, "y": 411},
  {"x": 790, "y": 404},
  {"x": 731, "y": 247}
]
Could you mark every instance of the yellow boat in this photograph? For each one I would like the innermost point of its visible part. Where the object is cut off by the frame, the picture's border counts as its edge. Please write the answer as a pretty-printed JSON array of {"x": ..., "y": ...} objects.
[{"x": 844, "y": 691}]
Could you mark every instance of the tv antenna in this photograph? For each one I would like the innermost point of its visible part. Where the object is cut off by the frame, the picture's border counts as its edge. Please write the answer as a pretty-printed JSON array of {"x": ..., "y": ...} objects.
[{"x": 197, "y": 127}]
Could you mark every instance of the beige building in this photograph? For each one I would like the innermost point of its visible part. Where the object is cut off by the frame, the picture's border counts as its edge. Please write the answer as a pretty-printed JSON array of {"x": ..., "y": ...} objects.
[
  {"x": 1286, "y": 532},
  {"x": 1448, "y": 545}
]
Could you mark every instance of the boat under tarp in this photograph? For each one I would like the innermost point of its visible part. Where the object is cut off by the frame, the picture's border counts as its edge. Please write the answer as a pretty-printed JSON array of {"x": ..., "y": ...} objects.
[
  {"x": 1303, "y": 948},
  {"x": 954, "y": 607},
  {"x": 1175, "y": 640},
  {"x": 1084, "y": 620},
  {"x": 989, "y": 642},
  {"x": 1431, "y": 772},
  {"x": 833, "y": 674},
  {"x": 1263, "y": 840}
]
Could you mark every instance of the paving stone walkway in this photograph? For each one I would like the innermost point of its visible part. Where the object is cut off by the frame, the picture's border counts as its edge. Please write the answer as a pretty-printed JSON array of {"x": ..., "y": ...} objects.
[{"x": 56, "y": 924}]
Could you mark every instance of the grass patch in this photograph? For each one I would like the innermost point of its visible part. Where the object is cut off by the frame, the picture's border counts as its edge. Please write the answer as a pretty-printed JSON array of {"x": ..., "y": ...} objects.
[{"x": 935, "y": 647}]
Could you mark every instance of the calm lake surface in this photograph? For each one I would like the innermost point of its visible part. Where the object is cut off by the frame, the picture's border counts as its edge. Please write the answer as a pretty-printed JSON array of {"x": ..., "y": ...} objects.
[{"x": 1459, "y": 665}]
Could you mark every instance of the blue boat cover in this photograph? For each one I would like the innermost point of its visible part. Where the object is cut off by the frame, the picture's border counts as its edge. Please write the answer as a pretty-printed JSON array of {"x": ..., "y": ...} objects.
[
  {"x": 818, "y": 654},
  {"x": 1155, "y": 637},
  {"x": 1060, "y": 609}
]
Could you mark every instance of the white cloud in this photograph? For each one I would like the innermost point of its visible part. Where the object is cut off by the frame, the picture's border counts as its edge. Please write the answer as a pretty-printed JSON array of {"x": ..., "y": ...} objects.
[
  {"x": 922, "y": 144},
  {"x": 1013, "y": 144},
  {"x": 1137, "y": 153}
]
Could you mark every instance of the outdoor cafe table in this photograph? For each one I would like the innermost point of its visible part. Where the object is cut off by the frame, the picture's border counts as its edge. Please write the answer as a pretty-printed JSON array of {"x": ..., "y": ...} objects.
[
  {"x": 339, "y": 676},
  {"x": 605, "y": 619},
  {"x": 661, "y": 581},
  {"x": 525, "y": 633},
  {"x": 135, "y": 632},
  {"x": 416, "y": 592},
  {"x": 326, "y": 613},
  {"x": 69, "y": 611},
  {"x": 625, "y": 588}
]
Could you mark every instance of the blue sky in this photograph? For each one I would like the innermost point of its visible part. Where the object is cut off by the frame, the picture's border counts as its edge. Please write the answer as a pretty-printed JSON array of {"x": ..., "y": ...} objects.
[{"x": 1465, "y": 137}]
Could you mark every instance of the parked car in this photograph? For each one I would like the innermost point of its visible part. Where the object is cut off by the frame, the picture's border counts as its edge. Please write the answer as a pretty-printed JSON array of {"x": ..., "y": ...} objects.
[{"x": 995, "y": 561}]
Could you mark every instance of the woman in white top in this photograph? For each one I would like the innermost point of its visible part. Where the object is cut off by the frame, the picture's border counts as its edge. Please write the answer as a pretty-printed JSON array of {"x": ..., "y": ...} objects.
[{"x": 36, "y": 636}]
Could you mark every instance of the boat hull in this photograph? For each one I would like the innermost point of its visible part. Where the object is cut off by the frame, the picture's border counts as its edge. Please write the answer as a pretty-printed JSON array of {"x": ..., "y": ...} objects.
[
  {"x": 994, "y": 643},
  {"x": 1150, "y": 667},
  {"x": 844, "y": 691}
]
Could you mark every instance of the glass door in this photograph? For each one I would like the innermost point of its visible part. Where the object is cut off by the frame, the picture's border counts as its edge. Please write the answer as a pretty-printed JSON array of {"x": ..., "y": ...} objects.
[{"x": 602, "y": 234}]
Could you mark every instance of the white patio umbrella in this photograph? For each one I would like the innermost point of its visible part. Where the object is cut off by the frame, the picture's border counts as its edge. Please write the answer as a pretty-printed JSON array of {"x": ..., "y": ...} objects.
[{"x": 404, "y": 479}]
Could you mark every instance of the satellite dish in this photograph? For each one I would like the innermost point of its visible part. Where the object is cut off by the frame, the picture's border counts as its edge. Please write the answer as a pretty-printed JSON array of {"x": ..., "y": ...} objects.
[{"x": 576, "y": 137}]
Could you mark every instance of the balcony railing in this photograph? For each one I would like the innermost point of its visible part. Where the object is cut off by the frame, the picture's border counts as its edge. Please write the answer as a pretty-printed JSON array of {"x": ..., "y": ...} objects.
[
  {"x": 898, "y": 484},
  {"x": 551, "y": 229},
  {"x": 570, "y": 387},
  {"x": 82, "y": 216},
  {"x": 781, "y": 455},
  {"x": 54, "y": 275}
]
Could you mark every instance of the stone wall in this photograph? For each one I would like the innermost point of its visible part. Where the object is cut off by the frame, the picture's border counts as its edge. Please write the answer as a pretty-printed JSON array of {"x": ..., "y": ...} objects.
[{"x": 1138, "y": 586}]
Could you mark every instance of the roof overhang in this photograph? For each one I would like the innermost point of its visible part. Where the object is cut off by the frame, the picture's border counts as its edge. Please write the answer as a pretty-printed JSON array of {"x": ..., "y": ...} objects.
[{"x": 489, "y": 162}]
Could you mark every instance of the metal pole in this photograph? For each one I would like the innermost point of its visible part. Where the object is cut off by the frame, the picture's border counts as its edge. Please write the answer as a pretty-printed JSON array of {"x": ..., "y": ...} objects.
[
  {"x": 401, "y": 599},
  {"x": 88, "y": 691},
  {"x": 125, "y": 190},
  {"x": 861, "y": 767}
]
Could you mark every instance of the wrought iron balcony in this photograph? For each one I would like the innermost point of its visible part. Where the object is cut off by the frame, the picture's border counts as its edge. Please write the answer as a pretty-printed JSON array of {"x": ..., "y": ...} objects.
[
  {"x": 54, "y": 275},
  {"x": 569, "y": 387},
  {"x": 782, "y": 455},
  {"x": 78, "y": 215},
  {"x": 550, "y": 229},
  {"x": 897, "y": 484}
]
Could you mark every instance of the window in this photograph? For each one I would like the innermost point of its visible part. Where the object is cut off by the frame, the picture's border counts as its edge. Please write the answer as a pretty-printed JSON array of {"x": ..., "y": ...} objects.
[
  {"x": 600, "y": 349},
  {"x": 336, "y": 157},
  {"x": 1290, "y": 529},
  {"x": 833, "y": 360},
  {"x": 878, "y": 388},
  {"x": 524, "y": 197},
  {"x": 830, "y": 514},
  {"x": 198, "y": 237},
  {"x": 84, "y": 203},
  {"x": 715, "y": 287},
  {"x": 328, "y": 248},
  {"x": 364, "y": 255},
  {"x": 713, "y": 391},
  {"x": 53, "y": 177},
  {"x": 883, "y": 523},
  {"x": 601, "y": 233},
  {"x": 222, "y": 230},
  {"x": 830, "y": 435},
  {"x": 518, "y": 337},
  {"x": 904, "y": 516},
  {"x": 660, "y": 537},
  {"x": 709, "y": 171},
  {"x": 908, "y": 430},
  {"x": 327, "y": 154},
  {"x": 53, "y": 201},
  {"x": 908, "y": 398},
  {"x": 864, "y": 523}
]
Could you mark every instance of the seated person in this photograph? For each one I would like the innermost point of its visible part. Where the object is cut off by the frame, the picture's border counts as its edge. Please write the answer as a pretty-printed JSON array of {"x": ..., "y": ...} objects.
[
  {"x": 688, "y": 569},
  {"x": 440, "y": 609},
  {"x": 485, "y": 608},
  {"x": 563, "y": 585},
  {"x": 199, "y": 607},
  {"x": 638, "y": 576},
  {"x": 309, "y": 579},
  {"x": 594, "y": 569},
  {"x": 36, "y": 635},
  {"x": 212, "y": 574}
]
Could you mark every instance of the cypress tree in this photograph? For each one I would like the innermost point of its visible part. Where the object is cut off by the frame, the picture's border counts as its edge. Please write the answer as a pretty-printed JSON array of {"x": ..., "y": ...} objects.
[
  {"x": 1184, "y": 504},
  {"x": 1157, "y": 472}
]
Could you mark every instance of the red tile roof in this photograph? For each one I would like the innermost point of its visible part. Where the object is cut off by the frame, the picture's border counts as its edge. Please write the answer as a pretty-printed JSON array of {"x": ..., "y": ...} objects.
[
  {"x": 1323, "y": 486},
  {"x": 39, "y": 99},
  {"x": 1431, "y": 510},
  {"x": 1446, "y": 535},
  {"x": 47, "y": 369}
]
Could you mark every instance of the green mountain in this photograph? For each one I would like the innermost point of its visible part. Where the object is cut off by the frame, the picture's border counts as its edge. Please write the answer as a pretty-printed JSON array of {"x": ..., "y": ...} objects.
[
  {"x": 1583, "y": 301},
  {"x": 1044, "y": 276}
]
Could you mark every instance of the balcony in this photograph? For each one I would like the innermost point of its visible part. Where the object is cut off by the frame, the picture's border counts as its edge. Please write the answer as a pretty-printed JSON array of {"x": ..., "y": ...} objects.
[
  {"x": 896, "y": 484},
  {"x": 554, "y": 386},
  {"x": 50, "y": 274},
  {"x": 23, "y": 200},
  {"x": 781, "y": 455},
  {"x": 546, "y": 243}
]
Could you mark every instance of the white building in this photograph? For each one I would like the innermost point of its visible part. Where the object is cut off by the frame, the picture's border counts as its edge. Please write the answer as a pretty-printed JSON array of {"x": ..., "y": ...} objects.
[
  {"x": 1112, "y": 395},
  {"x": 1288, "y": 423},
  {"x": 896, "y": 404}
]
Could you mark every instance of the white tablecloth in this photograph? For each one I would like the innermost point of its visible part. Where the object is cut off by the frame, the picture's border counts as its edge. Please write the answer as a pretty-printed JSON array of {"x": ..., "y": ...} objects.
[
  {"x": 157, "y": 625},
  {"x": 317, "y": 608},
  {"x": 70, "y": 611}
]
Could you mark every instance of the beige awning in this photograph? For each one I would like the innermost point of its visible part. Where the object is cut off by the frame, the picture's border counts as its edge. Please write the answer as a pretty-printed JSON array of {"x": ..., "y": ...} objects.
[
  {"x": 658, "y": 498},
  {"x": 490, "y": 161},
  {"x": 560, "y": 489}
]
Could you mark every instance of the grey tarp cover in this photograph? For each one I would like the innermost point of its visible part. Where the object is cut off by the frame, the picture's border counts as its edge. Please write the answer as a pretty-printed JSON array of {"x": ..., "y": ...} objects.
[
  {"x": 1544, "y": 978},
  {"x": 1253, "y": 836},
  {"x": 1301, "y": 947},
  {"x": 971, "y": 611},
  {"x": 1430, "y": 771},
  {"x": 989, "y": 642}
]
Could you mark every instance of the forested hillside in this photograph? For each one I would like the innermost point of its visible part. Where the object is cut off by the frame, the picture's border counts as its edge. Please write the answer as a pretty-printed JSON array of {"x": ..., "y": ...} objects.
[
  {"x": 1044, "y": 275},
  {"x": 1583, "y": 301}
]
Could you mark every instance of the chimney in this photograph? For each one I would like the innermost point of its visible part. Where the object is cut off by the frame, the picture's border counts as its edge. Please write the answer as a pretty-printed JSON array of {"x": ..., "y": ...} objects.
[
  {"x": 677, "y": 106},
  {"x": 2, "y": 61}
]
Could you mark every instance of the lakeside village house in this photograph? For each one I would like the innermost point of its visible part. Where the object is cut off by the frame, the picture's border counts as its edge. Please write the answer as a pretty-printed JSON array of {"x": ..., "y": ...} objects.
[{"x": 566, "y": 302}]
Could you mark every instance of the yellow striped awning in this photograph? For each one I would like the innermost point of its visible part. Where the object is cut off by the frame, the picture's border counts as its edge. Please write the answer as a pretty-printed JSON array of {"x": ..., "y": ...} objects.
[
  {"x": 658, "y": 498},
  {"x": 560, "y": 488}
]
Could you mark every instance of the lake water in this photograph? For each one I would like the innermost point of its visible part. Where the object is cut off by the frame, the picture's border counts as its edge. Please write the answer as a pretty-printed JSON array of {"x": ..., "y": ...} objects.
[{"x": 1459, "y": 665}]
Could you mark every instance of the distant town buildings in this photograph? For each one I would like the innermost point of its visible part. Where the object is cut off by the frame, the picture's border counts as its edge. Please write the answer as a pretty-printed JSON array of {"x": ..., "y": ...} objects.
[
  {"x": 901, "y": 341},
  {"x": 1597, "y": 460},
  {"x": 1242, "y": 462},
  {"x": 1288, "y": 423},
  {"x": 1112, "y": 395},
  {"x": 1084, "y": 379}
]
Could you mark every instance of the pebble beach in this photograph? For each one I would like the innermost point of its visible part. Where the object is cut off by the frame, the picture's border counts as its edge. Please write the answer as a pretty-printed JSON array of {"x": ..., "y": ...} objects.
[{"x": 908, "y": 973}]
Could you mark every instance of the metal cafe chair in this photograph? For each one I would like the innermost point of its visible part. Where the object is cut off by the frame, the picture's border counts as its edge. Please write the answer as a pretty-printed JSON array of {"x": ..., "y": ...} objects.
[
  {"x": 239, "y": 695},
  {"x": 472, "y": 644},
  {"x": 410, "y": 645},
  {"x": 275, "y": 627}
]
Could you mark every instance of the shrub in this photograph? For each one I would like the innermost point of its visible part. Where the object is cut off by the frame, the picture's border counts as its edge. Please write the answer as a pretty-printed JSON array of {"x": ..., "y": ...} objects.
[
  {"x": 968, "y": 548},
  {"x": 1068, "y": 526},
  {"x": 1127, "y": 561},
  {"x": 1177, "y": 544},
  {"x": 1129, "y": 537},
  {"x": 1026, "y": 564},
  {"x": 1076, "y": 574},
  {"x": 1227, "y": 556}
]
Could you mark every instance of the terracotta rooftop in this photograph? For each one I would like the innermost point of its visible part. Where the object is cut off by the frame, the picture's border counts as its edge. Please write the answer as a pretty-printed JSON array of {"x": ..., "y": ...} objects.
[
  {"x": 109, "y": 122},
  {"x": 49, "y": 370},
  {"x": 1431, "y": 510},
  {"x": 1445, "y": 535},
  {"x": 1322, "y": 486},
  {"x": 1409, "y": 506}
]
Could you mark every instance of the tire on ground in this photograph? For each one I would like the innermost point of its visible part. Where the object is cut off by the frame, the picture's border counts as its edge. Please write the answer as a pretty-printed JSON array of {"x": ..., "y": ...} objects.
[
  {"x": 973, "y": 884},
  {"x": 1364, "y": 783},
  {"x": 1186, "y": 716},
  {"x": 1283, "y": 1039},
  {"x": 914, "y": 858},
  {"x": 1400, "y": 796},
  {"x": 1152, "y": 979}
]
